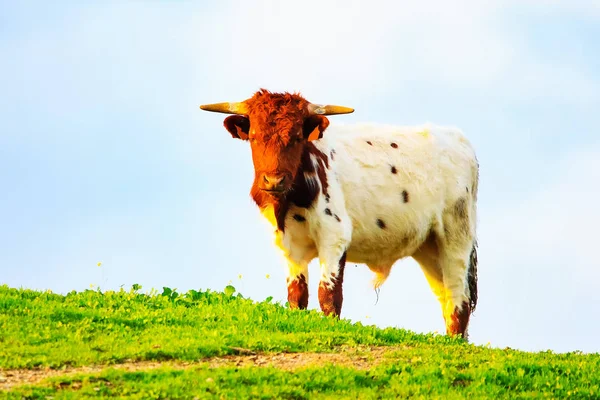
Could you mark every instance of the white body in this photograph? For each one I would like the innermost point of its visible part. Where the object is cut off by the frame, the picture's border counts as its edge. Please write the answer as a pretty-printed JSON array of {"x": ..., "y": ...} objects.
[{"x": 415, "y": 199}]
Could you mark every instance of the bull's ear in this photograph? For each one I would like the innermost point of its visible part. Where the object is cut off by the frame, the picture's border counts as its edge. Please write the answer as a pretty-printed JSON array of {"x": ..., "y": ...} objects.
[
  {"x": 238, "y": 126},
  {"x": 314, "y": 126}
]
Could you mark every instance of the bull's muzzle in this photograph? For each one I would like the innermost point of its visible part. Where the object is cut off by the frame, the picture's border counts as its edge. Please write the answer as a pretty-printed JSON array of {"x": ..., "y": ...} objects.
[{"x": 273, "y": 184}]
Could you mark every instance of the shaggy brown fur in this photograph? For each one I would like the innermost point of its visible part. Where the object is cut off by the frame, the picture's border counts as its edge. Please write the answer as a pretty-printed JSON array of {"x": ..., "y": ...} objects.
[{"x": 279, "y": 128}]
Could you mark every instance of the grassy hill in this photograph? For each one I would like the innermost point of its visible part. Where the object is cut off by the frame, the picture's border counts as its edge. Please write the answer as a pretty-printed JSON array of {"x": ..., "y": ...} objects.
[{"x": 205, "y": 344}]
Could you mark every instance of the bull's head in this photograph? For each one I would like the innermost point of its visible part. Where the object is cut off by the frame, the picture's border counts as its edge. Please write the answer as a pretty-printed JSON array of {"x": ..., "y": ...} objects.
[{"x": 278, "y": 126}]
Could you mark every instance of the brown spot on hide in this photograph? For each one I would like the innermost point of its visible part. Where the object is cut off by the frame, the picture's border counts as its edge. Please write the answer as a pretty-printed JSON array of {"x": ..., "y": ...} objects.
[
  {"x": 460, "y": 208},
  {"x": 337, "y": 218},
  {"x": 380, "y": 223},
  {"x": 328, "y": 211},
  {"x": 394, "y": 170},
  {"x": 299, "y": 218},
  {"x": 370, "y": 143},
  {"x": 327, "y": 197},
  {"x": 298, "y": 293},
  {"x": 322, "y": 166},
  {"x": 394, "y": 145},
  {"x": 405, "y": 196},
  {"x": 331, "y": 299}
]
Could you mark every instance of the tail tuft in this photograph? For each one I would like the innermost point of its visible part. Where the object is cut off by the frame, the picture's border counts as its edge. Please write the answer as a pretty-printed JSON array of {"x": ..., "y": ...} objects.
[
  {"x": 381, "y": 275},
  {"x": 379, "y": 279},
  {"x": 472, "y": 277}
]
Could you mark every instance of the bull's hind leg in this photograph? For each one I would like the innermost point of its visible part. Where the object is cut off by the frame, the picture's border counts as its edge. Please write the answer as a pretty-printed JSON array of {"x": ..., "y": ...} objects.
[
  {"x": 428, "y": 258},
  {"x": 457, "y": 246},
  {"x": 449, "y": 272},
  {"x": 457, "y": 309}
]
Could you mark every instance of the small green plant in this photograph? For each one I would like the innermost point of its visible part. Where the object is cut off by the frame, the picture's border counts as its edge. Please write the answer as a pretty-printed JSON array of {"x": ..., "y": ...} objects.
[{"x": 229, "y": 290}]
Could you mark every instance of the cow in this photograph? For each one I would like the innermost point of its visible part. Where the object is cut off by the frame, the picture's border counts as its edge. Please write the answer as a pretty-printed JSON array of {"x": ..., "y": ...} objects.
[{"x": 368, "y": 194}]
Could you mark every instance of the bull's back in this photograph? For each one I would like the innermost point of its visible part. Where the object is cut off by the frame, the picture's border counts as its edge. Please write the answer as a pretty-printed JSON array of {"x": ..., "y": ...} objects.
[{"x": 396, "y": 182}]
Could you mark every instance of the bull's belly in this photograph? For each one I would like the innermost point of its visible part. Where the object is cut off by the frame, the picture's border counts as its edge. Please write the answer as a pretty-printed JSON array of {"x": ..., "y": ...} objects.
[
  {"x": 390, "y": 220},
  {"x": 384, "y": 246}
]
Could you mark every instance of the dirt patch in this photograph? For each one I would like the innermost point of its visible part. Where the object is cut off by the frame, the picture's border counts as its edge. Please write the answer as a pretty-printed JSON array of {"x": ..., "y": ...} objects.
[
  {"x": 358, "y": 358},
  {"x": 16, "y": 377},
  {"x": 355, "y": 358}
]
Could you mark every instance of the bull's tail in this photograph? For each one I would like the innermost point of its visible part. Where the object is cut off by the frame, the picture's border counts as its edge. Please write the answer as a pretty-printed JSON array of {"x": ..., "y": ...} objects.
[{"x": 472, "y": 278}]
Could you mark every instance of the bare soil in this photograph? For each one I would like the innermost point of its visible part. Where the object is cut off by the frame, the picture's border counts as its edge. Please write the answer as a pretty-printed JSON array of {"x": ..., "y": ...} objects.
[{"x": 358, "y": 358}]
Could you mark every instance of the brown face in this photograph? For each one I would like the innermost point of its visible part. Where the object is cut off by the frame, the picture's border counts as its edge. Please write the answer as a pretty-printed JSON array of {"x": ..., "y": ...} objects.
[
  {"x": 277, "y": 141},
  {"x": 276, "y": 153}
]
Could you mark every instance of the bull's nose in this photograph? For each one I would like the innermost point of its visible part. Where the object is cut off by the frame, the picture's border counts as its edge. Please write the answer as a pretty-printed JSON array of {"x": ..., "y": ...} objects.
[{"x": 273, "y": 183}]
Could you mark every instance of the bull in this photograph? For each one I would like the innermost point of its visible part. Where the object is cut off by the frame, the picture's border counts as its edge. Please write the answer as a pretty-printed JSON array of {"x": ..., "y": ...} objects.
[{"x": 368, "y": 194}]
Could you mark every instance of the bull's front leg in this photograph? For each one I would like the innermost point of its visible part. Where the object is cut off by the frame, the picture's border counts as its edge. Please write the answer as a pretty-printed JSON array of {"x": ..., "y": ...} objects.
[
  {"x": 330, "y": 287},
  {"x": 297, "y": 284},
  {"x": 297, "y": 256}
]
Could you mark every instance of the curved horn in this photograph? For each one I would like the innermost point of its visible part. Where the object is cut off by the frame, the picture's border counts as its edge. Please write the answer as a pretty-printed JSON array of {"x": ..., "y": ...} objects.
[
  {"x": 226, "y": 108},
  {"x": 328, "y": 110}
]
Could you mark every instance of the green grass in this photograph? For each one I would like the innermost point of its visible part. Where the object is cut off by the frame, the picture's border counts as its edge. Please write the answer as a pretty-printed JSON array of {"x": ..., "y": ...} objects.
[
  {"x": 388, "y": 380},
  {"x": 49, "y": 330}
]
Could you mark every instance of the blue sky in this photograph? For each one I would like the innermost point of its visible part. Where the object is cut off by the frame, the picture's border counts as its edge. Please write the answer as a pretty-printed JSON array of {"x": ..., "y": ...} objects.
[{"x": 105, "y": 156}]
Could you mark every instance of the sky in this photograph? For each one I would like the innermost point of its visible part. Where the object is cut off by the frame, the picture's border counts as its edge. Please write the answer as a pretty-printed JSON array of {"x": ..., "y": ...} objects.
[{"x": 106, "y": 158}]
